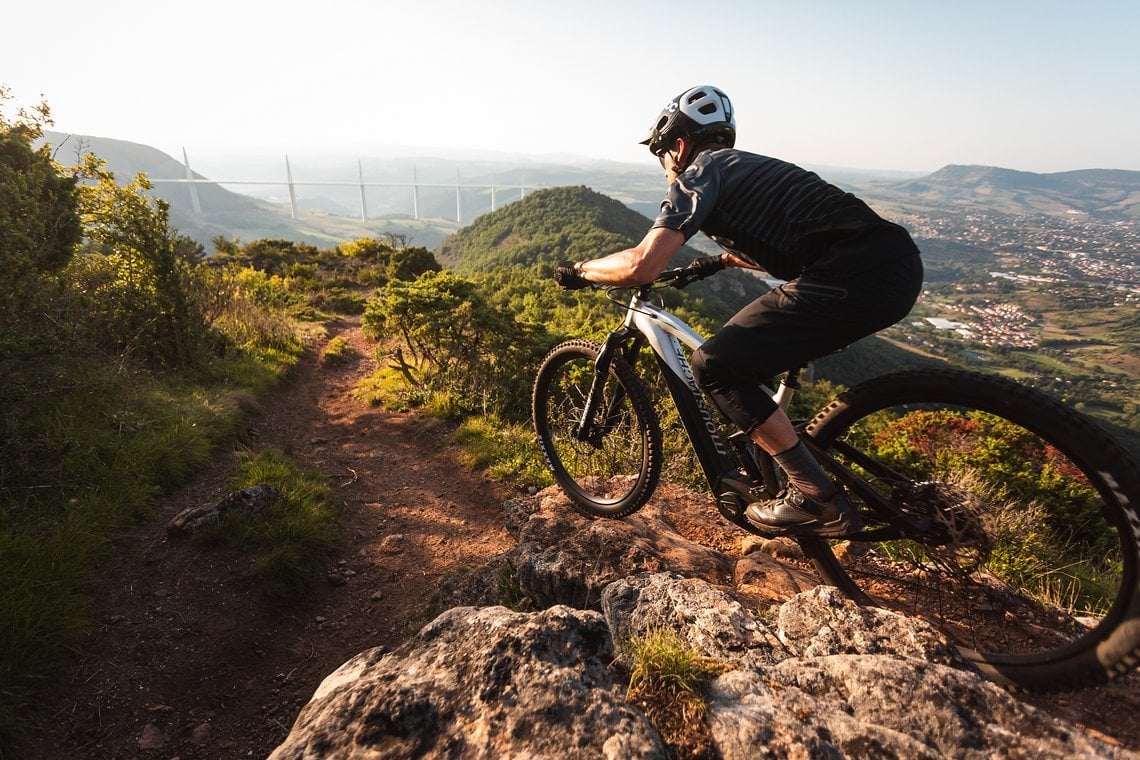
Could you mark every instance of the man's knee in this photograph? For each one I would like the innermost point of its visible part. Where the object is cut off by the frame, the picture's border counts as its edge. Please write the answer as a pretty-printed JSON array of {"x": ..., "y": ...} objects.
[
  {"x": 710, "y": 369},
  {"x": 700, "y": 364}
]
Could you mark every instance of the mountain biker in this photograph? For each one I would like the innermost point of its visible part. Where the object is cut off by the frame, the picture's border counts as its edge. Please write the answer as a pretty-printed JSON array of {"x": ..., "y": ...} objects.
[{"x": 849, "y": 274}]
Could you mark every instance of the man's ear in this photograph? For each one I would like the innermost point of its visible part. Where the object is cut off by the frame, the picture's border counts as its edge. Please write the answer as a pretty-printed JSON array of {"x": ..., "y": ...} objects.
[{"x": 683, "y": 147}]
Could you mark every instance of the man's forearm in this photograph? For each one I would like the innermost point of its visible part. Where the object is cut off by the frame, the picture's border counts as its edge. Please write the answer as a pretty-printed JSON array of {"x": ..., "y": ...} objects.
[{"x": 637, "y": 265}]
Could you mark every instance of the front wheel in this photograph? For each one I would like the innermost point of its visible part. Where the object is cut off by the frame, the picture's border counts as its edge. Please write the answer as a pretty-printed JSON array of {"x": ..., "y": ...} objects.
[
  {"x": 1028, "y": 558},
  {"x": 609, "y": 467}
]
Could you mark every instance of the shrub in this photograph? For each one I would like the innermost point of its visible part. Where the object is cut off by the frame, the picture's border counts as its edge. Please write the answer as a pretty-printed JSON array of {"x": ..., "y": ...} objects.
[{"x": 337, "y": 351}]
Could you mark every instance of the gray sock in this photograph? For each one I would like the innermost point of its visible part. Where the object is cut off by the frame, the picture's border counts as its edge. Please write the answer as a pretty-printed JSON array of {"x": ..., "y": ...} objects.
[{"x": 806, "y": 473}]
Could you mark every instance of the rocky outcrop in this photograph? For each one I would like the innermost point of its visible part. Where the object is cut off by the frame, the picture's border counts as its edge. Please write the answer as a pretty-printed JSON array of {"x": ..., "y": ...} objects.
[
  {"x": 564, "y": 558},
  {"x": 814, "y": 676},
  {"x": 479, "y": 682}
]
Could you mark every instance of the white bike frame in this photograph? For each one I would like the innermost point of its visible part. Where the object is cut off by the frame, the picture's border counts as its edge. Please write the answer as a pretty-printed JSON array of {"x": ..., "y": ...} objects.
[{"x": 668, "y": 336}]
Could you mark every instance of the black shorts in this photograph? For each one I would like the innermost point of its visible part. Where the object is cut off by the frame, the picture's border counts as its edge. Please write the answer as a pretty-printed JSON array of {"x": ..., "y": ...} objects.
[{"x": 793, "y": 324}]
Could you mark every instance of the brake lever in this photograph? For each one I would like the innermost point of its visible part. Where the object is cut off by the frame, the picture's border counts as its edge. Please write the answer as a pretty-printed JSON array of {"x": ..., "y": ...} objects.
[{"x": 685, "y": 278}]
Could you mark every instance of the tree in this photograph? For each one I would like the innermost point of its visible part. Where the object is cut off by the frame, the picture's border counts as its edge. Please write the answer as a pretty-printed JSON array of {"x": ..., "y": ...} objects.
[
  {"x": 392, "y": 262},
  {"x": 137, "y": 272},
  {"x": 39, "y": 220},
  {"x": 457, "y": 342}
]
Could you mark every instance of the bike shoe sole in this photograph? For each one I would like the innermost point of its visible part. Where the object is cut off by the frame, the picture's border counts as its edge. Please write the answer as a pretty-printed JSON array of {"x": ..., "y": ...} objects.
[{"x": 840, "y": 528}]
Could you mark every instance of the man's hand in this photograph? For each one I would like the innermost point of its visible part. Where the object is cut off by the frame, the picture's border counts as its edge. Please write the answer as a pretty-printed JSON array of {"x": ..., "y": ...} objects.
[
  {"x": 567, "y": 275},
  {"x": 707, "y": 266}
]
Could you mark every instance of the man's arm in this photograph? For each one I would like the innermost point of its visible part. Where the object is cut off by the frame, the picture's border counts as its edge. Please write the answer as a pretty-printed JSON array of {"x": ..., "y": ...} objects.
[{"x": 637, "y": 265}]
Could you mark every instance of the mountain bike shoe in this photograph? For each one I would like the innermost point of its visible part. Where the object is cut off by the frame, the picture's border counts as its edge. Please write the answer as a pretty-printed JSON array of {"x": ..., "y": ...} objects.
[{"x": 793, "y": 514}]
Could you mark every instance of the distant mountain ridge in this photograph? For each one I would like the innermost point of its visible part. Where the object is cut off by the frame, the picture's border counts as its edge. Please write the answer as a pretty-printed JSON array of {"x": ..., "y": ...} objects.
[
  {"x": 1104, "y": 193},
  {"x": 228, "y": 214},
  {"x": 1098, "y": 192},
  {"x": 224, "y": 213}
]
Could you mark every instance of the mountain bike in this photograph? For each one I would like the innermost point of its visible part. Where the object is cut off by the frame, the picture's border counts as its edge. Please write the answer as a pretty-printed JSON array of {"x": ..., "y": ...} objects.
[{"x": 989, "y": 508}]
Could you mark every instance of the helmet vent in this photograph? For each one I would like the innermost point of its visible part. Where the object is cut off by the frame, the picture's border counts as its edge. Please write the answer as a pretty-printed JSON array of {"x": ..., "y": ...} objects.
[{"x": 707, "y": 108}]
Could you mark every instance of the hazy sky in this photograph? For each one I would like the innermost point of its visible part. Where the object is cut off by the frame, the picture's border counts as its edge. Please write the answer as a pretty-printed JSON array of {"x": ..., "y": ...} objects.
[{"x": 1034, "y": 85}]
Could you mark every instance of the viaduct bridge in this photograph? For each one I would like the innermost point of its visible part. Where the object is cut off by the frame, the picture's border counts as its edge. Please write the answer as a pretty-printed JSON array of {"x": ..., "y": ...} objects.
[{"x": 360, "y": 184}]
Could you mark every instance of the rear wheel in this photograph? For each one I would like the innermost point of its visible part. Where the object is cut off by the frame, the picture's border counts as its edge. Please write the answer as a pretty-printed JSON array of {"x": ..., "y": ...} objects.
[
  {"x": 610, "y": 468},
  {"x": 1029, "y": 558}
]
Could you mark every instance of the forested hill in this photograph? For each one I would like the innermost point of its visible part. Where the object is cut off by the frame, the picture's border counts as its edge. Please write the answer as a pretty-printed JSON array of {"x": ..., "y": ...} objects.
[
  {"x": 574, "y": 224},
  {"x": 548, "y": 226}
]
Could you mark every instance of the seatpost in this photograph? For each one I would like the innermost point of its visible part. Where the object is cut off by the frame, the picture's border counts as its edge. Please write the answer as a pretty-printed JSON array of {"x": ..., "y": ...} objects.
[{"x": 789, "y": 384}]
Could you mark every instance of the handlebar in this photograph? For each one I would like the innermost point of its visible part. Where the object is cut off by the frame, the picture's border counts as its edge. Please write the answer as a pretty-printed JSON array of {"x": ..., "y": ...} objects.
[
  {"x": 567, "y": 275},
  {"x": 697, "y": 269}
]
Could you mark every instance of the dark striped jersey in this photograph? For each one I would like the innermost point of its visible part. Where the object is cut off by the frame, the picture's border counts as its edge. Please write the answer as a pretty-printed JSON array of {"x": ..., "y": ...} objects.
[{"x": 781, "y": 217}]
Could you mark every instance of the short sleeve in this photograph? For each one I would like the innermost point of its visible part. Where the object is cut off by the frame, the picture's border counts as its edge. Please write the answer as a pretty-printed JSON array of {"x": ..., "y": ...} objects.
[{"x": 690, "y": 198}]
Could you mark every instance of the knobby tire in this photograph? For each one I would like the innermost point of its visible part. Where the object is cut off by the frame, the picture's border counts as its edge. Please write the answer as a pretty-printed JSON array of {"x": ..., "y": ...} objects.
[
  {"x": 1041, "y": 639},
  {"x": 615, "y": 472}
]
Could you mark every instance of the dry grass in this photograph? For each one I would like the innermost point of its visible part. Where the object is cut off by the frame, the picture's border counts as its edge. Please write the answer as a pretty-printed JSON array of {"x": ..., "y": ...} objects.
[{"x": 667, "y": 681}]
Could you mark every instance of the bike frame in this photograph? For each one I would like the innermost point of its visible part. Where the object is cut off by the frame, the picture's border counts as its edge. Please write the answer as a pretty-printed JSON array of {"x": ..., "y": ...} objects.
[
  {"x": 735, "y": 484},
  {"x": 669, "y": 337}
]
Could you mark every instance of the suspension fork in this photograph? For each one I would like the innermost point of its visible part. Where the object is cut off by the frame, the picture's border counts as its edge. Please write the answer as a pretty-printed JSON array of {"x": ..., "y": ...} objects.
[{"x": 612, "y": 347}]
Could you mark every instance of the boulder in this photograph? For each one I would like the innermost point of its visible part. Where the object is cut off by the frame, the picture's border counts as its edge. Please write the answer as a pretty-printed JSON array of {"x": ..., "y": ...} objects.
[
  {"x": 815, "y": 676},
  {"x": 706, "y": 618},
  {"x": 823, "y": 622},
  {"x": 565, "y": 558},
  {"x": 952, "y": 712},
  {"x": 479, "y": 682}
]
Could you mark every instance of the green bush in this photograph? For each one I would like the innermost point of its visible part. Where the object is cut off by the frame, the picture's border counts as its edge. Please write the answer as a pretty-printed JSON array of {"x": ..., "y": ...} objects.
[{"x": 39, "y": 226}]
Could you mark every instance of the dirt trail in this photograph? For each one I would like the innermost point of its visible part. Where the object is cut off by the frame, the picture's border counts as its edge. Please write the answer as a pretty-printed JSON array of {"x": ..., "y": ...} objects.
[{"x": 189, "y": 659}]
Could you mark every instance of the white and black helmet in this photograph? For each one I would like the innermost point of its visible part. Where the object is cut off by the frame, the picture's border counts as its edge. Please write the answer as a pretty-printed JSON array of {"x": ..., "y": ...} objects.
[{"x": 703, "y": 113}]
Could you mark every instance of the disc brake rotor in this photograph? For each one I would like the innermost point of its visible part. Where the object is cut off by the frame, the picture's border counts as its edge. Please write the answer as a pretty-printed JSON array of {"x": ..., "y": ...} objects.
[{"x": 957, "y": 539}]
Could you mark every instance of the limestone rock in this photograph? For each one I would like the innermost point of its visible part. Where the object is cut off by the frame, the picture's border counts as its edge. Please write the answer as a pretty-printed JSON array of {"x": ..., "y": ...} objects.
[
  {"x": 247, "y": 501},
  {"x": 817, "y": 677},
  {"x": 764, "y": 580},
  {"x": 955, "y": 713},
  {"x": 823, "y": 621},
  {"x": 479, "y": 682},
  {"x": 753, "y": 716},
  {"x": 705, "y": 617},
  {"x": 564, "y": 558}
]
